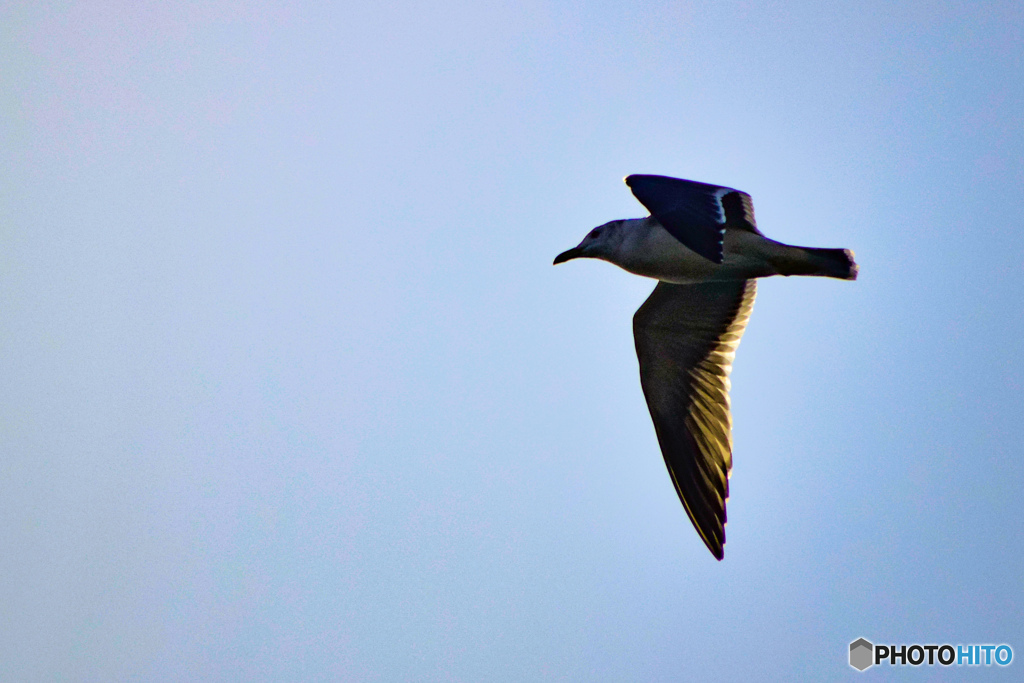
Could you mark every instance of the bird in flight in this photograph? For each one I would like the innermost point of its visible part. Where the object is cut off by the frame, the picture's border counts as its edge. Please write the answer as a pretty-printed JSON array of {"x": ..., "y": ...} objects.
[{"x": 702, "y": 245}]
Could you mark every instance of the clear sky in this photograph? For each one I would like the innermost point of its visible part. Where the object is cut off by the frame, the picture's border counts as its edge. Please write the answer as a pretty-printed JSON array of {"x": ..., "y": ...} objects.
[{"x": 289, "y": 389}]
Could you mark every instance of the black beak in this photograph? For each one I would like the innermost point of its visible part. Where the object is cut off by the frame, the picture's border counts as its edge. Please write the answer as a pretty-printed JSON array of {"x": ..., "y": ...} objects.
[{"x": 575, "y": 252}]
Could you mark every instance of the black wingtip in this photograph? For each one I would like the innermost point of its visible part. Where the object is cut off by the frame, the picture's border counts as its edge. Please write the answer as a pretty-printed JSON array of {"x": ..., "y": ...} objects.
[
  {"x": 633, "y": 177},
  {"x": 716, "y": 546}
]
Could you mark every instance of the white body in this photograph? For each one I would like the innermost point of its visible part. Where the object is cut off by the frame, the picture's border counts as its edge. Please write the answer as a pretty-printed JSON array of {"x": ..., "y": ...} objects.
[{"x": 642, "y": 246}]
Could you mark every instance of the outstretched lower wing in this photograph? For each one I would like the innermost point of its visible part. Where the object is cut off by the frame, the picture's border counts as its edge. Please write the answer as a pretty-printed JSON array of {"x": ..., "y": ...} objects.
[
  {"x": 686, "y": 338},
  {"x": 694, "y": 213}
]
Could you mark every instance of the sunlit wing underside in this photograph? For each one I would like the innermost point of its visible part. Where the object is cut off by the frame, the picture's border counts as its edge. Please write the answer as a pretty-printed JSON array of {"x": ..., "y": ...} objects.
[{"x": 686, "y": 339}]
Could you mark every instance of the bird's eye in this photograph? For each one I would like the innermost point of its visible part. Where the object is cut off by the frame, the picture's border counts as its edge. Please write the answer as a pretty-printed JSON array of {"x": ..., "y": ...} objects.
[{"x": 594, "y": 233}]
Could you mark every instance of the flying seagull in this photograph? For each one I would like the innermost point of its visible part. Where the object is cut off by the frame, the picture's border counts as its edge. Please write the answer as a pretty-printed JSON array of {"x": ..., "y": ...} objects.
[{"x": 702, "y": 245}]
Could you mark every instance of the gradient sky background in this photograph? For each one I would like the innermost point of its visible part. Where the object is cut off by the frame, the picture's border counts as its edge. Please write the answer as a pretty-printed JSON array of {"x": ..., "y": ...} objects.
[{"x": 291, "y": 391}]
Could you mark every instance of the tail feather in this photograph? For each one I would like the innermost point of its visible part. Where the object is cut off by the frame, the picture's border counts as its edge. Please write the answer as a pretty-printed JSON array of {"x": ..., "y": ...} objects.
[{"x": 837, "y": 263}]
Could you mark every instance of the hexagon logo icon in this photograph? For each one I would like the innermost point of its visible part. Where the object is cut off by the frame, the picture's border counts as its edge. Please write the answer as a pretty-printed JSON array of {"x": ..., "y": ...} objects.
[{"x": 862, "y": 654}]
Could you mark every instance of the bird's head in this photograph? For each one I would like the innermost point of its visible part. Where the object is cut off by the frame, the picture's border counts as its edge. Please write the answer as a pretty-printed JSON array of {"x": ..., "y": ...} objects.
[{"x": 601, "y": 242}]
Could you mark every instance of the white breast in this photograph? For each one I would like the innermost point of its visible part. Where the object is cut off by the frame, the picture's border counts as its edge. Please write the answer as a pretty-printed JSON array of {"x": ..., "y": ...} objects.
[{"x": 649, "y": 250}]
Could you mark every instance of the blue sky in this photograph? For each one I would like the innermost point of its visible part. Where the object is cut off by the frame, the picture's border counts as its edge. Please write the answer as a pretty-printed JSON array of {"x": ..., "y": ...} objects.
[{"x": 290, "y": 389}]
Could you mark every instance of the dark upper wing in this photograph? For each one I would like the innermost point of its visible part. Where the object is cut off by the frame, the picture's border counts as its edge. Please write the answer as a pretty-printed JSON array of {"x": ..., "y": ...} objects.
[
  {"x": 686, "y": 339},
  {"x": 694, "y": 213}
]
